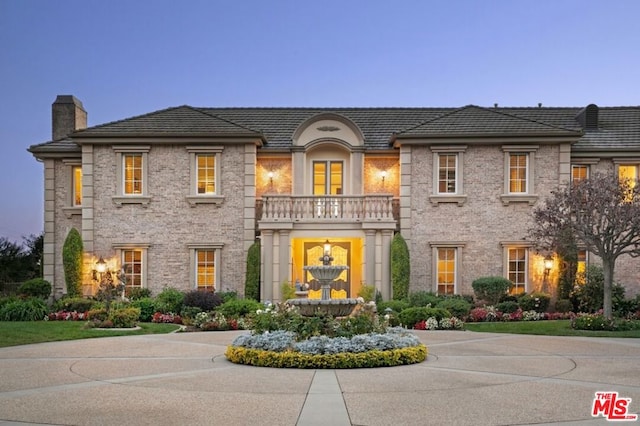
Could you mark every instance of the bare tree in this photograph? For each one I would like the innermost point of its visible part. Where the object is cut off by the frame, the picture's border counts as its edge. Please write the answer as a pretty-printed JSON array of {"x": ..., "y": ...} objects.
[{"x": 602, "y": 212}]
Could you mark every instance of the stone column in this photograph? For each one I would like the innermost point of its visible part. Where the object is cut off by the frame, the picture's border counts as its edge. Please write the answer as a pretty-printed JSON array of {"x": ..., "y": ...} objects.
[
  {"x": 387, "y": 235},
  {"x": 266, "y": 279},
  {"x": 49, "y": 246},
  {"x": 285, "y": 257},
  {"x": 370, "y": 256}
]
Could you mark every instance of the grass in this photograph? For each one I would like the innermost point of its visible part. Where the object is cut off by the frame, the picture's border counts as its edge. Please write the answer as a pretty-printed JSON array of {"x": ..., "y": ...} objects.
[
  {"x": 29, "y": 332},
  {"x": 545, "y": 328}
]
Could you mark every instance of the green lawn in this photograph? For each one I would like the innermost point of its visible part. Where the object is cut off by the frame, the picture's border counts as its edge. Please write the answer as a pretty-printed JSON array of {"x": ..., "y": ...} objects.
[
  {"x": 27, "y": 332},
  {"x": 547, "y": 328}
]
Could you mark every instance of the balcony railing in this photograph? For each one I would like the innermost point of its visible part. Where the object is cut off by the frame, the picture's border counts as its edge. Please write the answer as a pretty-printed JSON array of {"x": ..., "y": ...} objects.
[{"x": 327, "y": 208}]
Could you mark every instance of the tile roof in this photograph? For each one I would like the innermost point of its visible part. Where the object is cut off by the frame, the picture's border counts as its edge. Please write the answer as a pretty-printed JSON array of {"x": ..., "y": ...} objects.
[
  {"x": 619, "y": 126},
  {"x": 472, "y": 120}
]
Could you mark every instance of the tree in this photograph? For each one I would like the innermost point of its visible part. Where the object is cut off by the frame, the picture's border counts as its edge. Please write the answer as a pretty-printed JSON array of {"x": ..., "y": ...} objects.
[
  {"x": 602, "y": 212},
  {"x": 72, "y": 262},
  {"x": 400, "y": 268},
  {"x": 20, "y": 262}
]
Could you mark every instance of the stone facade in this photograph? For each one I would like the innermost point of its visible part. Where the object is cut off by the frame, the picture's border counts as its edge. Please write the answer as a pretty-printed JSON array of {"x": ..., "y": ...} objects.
[{"x": 267, "y": 188}]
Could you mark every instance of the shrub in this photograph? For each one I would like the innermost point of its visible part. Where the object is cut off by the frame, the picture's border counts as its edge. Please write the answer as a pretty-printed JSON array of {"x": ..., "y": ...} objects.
[
  {"x": 36, "y": 287},
  {"x": 252, "y": 282},
  {"x": 169, "y": 318},
  {"x": 239, "y": 307},
  {"x": 98, "y": 316},
  {"x": 411, "y": 316},
  {"x": 124, "y": 318},
  {"x": 147, "y": 307},
  {"x": 367, "y": 292},
  {"x": 538, "y": 302},
  {"x": 227, "y": 295},
  {"x": 71, "y": 304},
  {"x": 491, "y": 289},
  {"x": 564, "y": 305},
  {"x": 72, "y": 262},
  {"x": 396, "y": 306},
  {"x": 205, "y": 300},
  {"x": 135, "y": 293},
  {"x": 291, "y": 359},
  {"x": 457, "y": 306},
  {"x": 424, "y": 298},
  {"x": 288, "y": 291},
  {"x": 400, "y": 267},
  {"x": 589, "y": 297},
  {"x": 507, "y": 307},
  {"x": 31, "y": 309},
  {"x": 169, "y": 300}
]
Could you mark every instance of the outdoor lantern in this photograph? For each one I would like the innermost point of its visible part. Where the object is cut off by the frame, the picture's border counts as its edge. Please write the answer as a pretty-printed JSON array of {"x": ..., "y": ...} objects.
[
  {"x": 270, "y": 176},
  {"x": 383, "y": 174},
  {"x": 548, "y": 264},
  {"x": 101, "y": 265},
  {"x": 327, "y": 248}
]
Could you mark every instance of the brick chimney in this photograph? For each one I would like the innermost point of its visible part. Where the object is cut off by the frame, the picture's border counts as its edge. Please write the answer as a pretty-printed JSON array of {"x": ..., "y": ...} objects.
[{"x": 68, "y": 115}]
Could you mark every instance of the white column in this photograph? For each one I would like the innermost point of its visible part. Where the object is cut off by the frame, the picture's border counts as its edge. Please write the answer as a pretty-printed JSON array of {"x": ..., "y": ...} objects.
[{"x": 266, "y": 279}]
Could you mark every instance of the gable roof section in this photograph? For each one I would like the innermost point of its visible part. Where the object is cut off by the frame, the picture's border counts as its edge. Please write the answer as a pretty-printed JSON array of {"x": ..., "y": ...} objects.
[
  {"x": 478, "y": 122},
  {"x": 178, "y": 121}
]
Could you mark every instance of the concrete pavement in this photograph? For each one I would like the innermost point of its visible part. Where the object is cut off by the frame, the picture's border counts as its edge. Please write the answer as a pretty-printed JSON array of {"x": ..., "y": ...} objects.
[{"x": 184, "y": 379}]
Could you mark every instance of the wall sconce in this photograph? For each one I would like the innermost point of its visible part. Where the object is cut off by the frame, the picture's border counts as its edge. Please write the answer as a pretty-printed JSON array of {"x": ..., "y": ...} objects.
[
  {"x": 548, "y": 264},
  {"x": 101, "y": 266},
  {"x": 383, "y": 174},
  {"x": 270, "y": 176}
]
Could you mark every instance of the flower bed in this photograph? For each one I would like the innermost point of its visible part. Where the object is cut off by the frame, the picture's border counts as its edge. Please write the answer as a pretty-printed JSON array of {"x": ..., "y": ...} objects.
[
  {"x": 282, "y": 338},
  {"x": 280, "y": 349},
  {"x": 66, "y": 316}
]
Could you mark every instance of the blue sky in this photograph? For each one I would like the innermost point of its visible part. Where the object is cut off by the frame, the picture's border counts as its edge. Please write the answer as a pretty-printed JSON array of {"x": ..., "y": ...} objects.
[{"x": 124, "y": 58}]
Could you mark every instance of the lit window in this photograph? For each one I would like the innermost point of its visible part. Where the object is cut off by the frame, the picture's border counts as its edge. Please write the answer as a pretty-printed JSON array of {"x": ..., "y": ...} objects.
[
  {"x": 131, "y": 175},
  {"x": 446, "y": 273},
  {"x": 629, "y": 173},
  {"x": 581, "y": 267},
  {"x": 132, "y": 164},
  {"x": 517, "y": 269},
  {"x": 579, "y": 173},
  {"x": 205, "y": 270},
  {"x": 518, "y": 173},
  {"x": 447, "y": 164},
  {"x": 448, "y": 174},
  {"x": 206, "y": 173},
  {"x": 77, "y": 185},
  {"x": 132, "y": 266}
]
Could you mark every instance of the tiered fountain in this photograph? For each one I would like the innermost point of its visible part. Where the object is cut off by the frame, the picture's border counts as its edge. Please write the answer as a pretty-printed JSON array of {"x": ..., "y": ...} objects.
[{"x": 325, "y": 274}]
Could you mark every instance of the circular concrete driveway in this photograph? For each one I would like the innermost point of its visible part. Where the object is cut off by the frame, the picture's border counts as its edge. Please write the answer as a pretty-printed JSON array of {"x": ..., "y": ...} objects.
[{"x": 184, "y": 379}]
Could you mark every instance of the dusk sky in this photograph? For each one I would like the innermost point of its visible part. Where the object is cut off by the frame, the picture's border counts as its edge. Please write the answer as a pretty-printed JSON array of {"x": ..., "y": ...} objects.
[{"x": 125, "y": 58}]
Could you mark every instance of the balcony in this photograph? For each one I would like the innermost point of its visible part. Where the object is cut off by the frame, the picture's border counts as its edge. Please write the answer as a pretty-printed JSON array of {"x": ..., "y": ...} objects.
[{"x": 327, "y": 208}]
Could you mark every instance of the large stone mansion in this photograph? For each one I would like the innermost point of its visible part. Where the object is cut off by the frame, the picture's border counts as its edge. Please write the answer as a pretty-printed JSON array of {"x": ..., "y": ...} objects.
[{"x": 176, "y": 197}]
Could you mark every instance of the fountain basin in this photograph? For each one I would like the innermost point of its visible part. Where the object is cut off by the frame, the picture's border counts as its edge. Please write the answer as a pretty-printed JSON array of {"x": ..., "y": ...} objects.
[
  {"x": 334, "y": 307},
  {"x": 324, "y": 273}
]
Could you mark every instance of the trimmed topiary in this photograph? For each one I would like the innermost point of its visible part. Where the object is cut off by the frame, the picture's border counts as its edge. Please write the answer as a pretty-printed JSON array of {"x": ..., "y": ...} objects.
[
  {"x": 400, "y": 267},
  {"x": 491, "y": 289},
  {"x": 252, "y": 281},
  {"x": 72, "y": 262}
]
